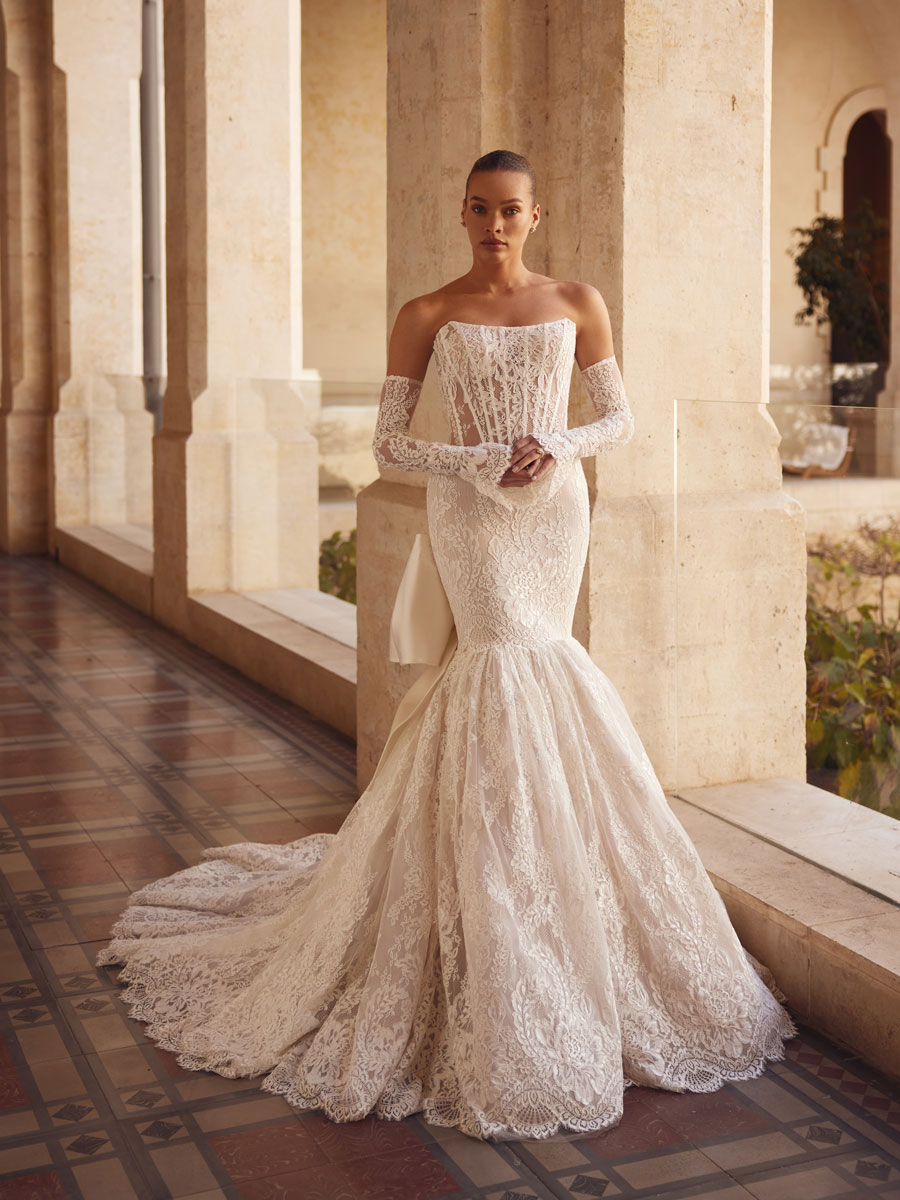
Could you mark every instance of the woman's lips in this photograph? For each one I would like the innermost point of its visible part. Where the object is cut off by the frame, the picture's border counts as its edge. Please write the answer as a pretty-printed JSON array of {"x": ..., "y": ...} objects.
[{"x": 493, "y": 245}]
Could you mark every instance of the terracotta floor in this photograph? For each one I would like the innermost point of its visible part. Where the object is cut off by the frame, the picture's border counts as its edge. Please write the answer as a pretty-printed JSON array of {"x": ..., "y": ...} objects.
[{"x": 123, "y": 752}]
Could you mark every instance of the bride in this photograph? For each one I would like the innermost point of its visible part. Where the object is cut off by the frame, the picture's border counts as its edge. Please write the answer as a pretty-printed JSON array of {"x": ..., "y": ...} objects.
[{"x": 511, "y": 927}]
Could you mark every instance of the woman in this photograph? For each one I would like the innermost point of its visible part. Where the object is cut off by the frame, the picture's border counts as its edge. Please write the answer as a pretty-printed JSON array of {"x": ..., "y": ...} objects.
[{"x": 511, "y": 926}]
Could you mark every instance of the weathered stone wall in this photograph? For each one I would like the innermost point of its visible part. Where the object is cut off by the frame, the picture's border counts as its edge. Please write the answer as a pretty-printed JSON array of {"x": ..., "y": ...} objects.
[
  {"x": 344, "y": 68},
  {"x": 654, "y": 154}
]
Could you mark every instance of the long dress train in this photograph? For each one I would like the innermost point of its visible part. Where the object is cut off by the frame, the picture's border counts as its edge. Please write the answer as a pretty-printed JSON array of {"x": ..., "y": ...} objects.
[{"x": 511, "y": 926}]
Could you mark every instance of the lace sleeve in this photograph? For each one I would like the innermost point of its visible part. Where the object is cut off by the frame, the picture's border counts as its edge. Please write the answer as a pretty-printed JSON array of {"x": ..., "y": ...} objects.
[
  {"x": 615, "y": 422},
  {"x": 394, "y": 448}
]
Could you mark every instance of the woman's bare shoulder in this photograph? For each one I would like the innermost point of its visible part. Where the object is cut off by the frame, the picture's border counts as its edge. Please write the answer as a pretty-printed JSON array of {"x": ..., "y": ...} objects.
[
  {"x": 412, "y": 338},
  {"x": 582, "y": 299},
  {"x": 426, "y": 313}
]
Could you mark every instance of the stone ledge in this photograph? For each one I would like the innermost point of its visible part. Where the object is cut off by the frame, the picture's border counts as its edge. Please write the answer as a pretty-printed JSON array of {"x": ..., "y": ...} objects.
[
  {"x": 834, "y": 507},
  {"x": 832, "y": 945},
  {"x": 856, "y": 843},
  {"x": 109, "y": 558},
  {"x": 314, "y": 667},
  {"x": 306, "y": 667},
  {"x": 328, "y": 615}
]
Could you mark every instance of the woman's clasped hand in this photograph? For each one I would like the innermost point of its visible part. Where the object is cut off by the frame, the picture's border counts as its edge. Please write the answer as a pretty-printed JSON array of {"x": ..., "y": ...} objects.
[{"x": 528, "y": 463}]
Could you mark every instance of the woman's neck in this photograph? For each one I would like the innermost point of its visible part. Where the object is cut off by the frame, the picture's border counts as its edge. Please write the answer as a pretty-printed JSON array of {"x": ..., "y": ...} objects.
[{"x": 498, "y": 279}]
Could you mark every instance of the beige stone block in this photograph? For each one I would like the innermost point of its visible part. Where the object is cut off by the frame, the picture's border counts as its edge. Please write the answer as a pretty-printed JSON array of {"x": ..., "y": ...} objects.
[
  {"x": 24, "y": 517},
  {"x": 344, "y": 102},
  {"x": 785, "y": 951},
  {"x": 329, "y": 615},
  {"x": 762, "y": 745},
  {"x": 849, "y": 839},
  {"x": 861, "y": 1015},
  {"x": 344, "y": 435},
  {"x": 389, "y": 515},
  {"x": 708, "y": 431},
  {"x": 870, "y": 944},
  {"x": 115, "y": 563},
  {"x": 785, "y": 888},
  {"x": 834, "y": 507},
  {"x": 310, "y": 669}
]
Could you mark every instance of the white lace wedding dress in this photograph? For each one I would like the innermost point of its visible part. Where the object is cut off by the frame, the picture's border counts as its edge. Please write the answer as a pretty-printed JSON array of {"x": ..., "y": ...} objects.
[{"x": 511, "y": 926}]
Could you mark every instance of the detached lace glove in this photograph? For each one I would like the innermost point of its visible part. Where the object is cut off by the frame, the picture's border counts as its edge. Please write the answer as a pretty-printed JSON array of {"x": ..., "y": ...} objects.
[
  {"x": 394, "y": 448},
  {"x": 615, "y": 423}
]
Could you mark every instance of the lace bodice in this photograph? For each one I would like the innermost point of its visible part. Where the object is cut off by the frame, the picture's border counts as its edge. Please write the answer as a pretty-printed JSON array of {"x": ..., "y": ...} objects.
[
  {"x": 511, "y": 926},
  {"x": 498, "y": 383}
]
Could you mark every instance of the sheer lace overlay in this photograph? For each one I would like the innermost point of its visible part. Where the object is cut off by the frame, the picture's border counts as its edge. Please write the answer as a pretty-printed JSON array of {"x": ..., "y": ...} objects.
[
  {"x": 511, "y": 926},
  {"x": 393, "y": 447},
  {"x": 615, "y": 421}
]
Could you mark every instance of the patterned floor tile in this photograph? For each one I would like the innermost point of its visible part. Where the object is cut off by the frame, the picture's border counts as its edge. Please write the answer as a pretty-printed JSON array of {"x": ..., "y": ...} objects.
[
  {"x": 35, "y": 1185},
  {"x": 128, "y": 753},
  {"x": 410, "y": 1175}
]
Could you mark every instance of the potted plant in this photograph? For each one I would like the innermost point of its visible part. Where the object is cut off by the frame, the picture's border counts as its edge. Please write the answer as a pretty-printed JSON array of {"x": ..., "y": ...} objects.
[{"x": 837, "y": 261}]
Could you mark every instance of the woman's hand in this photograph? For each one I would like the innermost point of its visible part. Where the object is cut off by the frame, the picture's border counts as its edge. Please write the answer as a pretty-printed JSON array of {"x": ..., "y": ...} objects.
[{"x": 528, "y": 463}]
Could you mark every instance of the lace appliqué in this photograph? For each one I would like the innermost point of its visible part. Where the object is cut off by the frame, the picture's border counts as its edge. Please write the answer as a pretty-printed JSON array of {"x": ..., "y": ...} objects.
[
  {"x": 511, "y": 927},
  {"x": 615, "y": 421},
  {"x": 484, "y": 464}
]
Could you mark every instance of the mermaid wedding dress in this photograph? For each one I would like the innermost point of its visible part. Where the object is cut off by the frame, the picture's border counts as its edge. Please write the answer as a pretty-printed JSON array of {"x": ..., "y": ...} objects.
[{"x": 511, "y": 926}]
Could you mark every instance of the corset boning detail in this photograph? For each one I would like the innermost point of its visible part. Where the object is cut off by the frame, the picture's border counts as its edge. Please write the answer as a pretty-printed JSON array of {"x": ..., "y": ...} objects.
[
  {"x": 511, "y": 564},
  {"x": 500, "y": 382}
]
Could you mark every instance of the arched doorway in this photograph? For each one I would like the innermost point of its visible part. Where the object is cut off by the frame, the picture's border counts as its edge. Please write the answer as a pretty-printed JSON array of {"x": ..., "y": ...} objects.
[{"x": 866, "y": 176}]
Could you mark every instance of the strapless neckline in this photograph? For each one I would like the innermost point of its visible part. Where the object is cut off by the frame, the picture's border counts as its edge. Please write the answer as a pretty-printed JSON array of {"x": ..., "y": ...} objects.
[{"x": 480, "y": 325}]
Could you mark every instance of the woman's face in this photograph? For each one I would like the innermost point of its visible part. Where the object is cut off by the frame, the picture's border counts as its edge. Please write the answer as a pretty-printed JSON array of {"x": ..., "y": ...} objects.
[{"x": 498, "y": 214}]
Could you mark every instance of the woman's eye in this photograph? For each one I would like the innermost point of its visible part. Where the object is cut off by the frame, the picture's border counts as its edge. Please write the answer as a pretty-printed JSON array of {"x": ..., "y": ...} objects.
[{"x": 511, "y": 212}]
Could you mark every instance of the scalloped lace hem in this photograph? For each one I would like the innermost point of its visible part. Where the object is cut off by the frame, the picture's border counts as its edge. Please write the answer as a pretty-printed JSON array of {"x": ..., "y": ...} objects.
[{"x": 695, "y": 1075}]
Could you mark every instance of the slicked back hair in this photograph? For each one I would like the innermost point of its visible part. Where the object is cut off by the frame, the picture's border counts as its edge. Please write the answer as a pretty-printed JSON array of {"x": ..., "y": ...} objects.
[{"x": 504, "y": 160}]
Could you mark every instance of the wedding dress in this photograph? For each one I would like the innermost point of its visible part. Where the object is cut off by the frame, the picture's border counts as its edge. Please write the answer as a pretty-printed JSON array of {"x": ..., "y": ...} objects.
[{"x": 511, "y": 926}]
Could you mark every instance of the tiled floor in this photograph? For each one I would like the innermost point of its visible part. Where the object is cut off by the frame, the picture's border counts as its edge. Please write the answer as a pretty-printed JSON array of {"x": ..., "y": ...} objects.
[{"x": 123, "y": 752}]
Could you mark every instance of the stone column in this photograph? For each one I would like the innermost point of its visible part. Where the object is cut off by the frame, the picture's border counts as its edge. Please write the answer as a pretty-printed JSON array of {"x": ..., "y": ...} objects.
[
  {"x": 235, "y": 490},
  {"x": 652, "y": 153},
  {"x": 463, "y": 78},
  {"x": 670, "y": 185},
  {"x": 102, "y": 431},
  {"x": 25, "y": 280},
  {"x": 344, "y": 193}
]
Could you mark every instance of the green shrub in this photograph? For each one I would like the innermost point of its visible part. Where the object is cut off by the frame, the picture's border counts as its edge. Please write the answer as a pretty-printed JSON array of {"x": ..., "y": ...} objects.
[
  {"x": 337, "y": 566},
  {"x": 853, "y": 665}
]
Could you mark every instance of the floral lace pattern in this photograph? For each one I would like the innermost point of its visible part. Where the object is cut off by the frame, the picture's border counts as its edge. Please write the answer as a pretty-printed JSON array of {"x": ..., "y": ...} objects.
[
  {"x": 393, "y": 447},
  {"x": 615, "y": 421},
  {"x": 511, "y": 926}
]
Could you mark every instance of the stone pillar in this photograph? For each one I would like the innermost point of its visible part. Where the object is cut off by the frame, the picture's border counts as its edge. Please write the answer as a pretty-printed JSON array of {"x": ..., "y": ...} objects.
[
  {"x": 344, "y": 83},
  {"x": 704, "y": 637},
  {"x": 102, "y": 431},
  {"x": 653, "y": 163},
  {"x": 25, "y": 279},
  {"x": 463, "y": 78},
  {"x": 235, "y": 491}
]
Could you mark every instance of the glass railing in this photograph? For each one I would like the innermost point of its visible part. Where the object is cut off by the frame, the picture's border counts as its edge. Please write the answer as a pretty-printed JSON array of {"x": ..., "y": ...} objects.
[
  {"x": 266, "y": 487},
  {"x": 344, "y": 428},
  {"x": 787, "y": 595}
]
